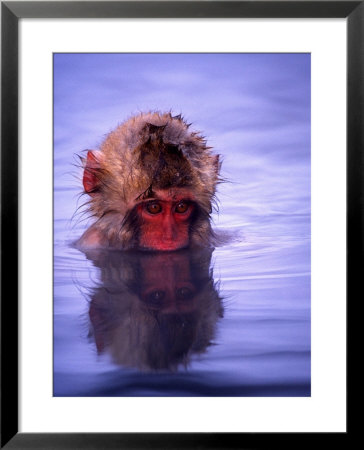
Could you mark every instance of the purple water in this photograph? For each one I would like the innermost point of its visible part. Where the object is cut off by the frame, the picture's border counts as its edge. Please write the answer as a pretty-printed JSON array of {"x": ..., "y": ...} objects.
[{"x": 244, "y": 328}]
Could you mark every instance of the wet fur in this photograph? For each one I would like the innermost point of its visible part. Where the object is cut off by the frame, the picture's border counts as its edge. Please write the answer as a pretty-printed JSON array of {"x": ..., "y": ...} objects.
[{"x": 151, "y": 151}]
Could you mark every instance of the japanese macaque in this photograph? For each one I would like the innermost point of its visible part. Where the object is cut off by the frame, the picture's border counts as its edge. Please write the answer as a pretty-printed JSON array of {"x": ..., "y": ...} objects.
[
  {"x": 151, "y": 186},
  {"x": 153, "y": 311}
]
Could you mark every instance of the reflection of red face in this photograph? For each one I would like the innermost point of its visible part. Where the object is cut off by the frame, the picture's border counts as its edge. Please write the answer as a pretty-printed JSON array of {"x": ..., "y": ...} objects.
[
  {"x": 165, "y": 221},
  {"x": 168, "y": 289}
]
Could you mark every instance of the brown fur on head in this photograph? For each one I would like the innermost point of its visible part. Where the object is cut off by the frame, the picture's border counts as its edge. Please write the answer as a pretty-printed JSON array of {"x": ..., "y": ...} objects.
[{"x": 148, "y": 153}]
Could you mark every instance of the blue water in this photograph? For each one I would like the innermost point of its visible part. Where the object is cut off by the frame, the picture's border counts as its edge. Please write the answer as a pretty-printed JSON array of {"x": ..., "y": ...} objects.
[{"x": 242, "y": 327}]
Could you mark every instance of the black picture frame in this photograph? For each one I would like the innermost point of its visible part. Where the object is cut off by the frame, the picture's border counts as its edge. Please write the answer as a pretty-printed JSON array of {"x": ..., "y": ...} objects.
[{"x": 11, "y": 12}]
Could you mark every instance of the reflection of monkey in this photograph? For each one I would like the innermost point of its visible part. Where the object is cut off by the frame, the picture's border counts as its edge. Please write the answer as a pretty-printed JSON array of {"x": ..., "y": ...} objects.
[
  {"x": 153, "y": 310},
  {"x": 151, "y": 186}
]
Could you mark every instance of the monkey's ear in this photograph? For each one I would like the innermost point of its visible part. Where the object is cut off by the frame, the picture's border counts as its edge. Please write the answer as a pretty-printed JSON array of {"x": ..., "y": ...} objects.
[{"x": 91, "y": 173}]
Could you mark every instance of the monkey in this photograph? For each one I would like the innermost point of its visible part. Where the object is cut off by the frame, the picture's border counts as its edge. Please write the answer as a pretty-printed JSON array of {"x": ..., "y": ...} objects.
[
  {"x": 151, "y": 186},
  {"x": 148, "y": 319}
]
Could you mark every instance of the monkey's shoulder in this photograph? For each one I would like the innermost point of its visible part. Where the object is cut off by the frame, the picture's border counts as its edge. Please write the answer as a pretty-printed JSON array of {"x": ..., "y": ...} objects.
[{"x": 91, "y": 238}]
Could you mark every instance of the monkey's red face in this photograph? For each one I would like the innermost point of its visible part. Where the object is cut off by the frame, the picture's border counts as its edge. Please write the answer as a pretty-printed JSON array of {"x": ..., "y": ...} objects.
[{"x": 165, "y": 222}]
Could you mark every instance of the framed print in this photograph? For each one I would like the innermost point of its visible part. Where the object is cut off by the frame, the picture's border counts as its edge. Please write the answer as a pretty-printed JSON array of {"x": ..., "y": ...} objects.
[{"x": 181, "y": 221}]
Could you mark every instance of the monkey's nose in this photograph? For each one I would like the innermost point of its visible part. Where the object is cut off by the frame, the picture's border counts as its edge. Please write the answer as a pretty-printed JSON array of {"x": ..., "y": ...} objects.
[
  {"x": 170, "y": 231},
  {"x": 169, "y": 227}
]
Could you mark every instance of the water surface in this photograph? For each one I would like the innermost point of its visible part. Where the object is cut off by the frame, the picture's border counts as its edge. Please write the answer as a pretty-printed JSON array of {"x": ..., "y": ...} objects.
[{"x": 234, "y": 321}]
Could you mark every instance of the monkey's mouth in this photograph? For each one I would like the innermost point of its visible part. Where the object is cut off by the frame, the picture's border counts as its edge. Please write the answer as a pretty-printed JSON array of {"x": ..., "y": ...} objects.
[{"x": 165, "y": 246}]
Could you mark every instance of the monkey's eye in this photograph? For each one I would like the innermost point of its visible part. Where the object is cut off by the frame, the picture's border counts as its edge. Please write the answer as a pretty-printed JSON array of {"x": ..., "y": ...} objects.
[
  {"x": 153, "y": 299},
  {"x": 153, "y": 208},
  {"x": 182, "y": 207},
  {"x": 184, "y": 293},
  {"x": 156, "y": 297}
]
